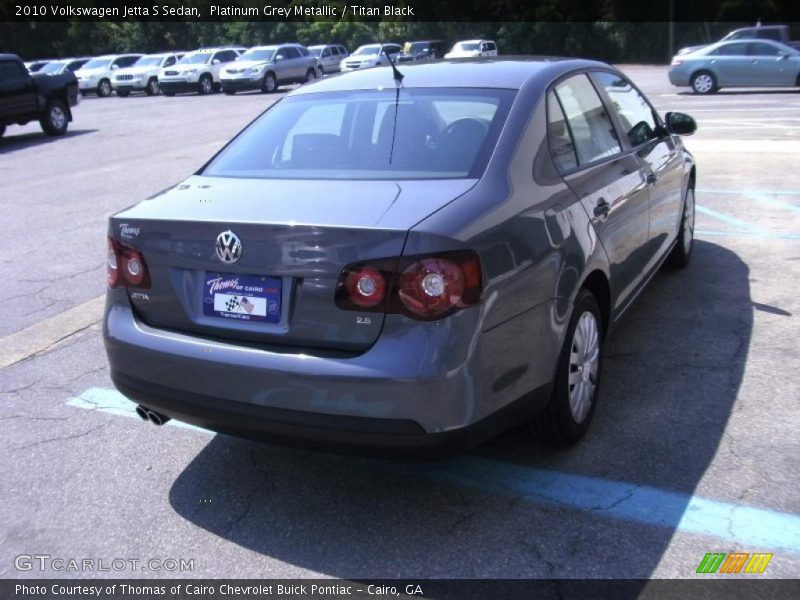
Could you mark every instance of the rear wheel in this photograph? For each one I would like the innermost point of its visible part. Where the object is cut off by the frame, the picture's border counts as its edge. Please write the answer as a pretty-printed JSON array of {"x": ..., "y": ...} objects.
[
  {"x": 152, "y": 88},
  {"x": 682, "y": 252},
  {"x": 704, "y": 82},
  {"x": 570, "y": 409},
  {"x": 104, "y": 88},
  {"x": 206, "y": 84},
  {"x": 55, "y": 120},
  {"x": 270, "y": 84},
  {"x": 311, "y": 76}
]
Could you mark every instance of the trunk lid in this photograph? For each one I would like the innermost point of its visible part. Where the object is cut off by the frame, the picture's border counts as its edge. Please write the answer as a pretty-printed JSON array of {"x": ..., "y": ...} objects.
[{"x": 295, "y": 238}]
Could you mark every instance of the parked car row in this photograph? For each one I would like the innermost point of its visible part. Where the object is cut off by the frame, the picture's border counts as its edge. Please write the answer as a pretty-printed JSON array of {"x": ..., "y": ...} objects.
[{"x": 234, "y": 68}]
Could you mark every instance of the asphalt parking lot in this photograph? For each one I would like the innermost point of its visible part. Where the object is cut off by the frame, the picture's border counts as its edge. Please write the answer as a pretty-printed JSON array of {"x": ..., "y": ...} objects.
[{"x": 694, "y": 447}]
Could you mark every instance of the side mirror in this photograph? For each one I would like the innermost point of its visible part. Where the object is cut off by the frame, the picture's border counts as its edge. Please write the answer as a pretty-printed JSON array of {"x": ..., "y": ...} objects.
[
  {"x": 216, "y": 61},
  {"x": 783, "y": 56},
  {"x": 279, "y": 57},
  {"x": 114, "y": 67},
  {"x": 680, "y": 123}
]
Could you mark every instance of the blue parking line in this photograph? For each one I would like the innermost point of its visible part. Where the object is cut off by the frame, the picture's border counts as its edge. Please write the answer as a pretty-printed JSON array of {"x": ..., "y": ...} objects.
[
  {"x": 735, "y": 523},
  {"x": 112, "y": 402},
  {"x": 728, "y": 219},
  {"x": 748, "y": 234}
]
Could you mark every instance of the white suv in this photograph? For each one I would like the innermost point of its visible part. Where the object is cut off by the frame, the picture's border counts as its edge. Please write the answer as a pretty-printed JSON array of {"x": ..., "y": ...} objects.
[
  {"x": 198, "y": 71},
  {"x": 143, "y": 75},
  {"x": 473, "y": 49},
  {"x": 95, "y": 76}
]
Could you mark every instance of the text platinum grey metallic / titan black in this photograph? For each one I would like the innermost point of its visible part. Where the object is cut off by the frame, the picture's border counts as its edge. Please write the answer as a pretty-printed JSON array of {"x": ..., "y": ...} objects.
[{"x": 403, "y": 266}]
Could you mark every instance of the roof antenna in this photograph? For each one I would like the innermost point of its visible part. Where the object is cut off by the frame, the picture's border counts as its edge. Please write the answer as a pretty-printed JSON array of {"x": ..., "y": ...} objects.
[{"x": 398, "y": 76}]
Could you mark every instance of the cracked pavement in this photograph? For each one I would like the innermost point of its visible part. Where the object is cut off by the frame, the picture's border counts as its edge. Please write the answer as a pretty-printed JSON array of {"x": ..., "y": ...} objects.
[{"x": 700, "y": 393}]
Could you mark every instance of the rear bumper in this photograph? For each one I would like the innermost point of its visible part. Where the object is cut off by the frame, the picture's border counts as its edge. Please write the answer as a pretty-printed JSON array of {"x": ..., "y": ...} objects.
[{"x": 425, "y": 386}]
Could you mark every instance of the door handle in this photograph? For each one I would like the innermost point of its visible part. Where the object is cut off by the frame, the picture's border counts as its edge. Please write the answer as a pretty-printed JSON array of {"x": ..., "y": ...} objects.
[
  {"x": 651, "y": 178},
  {"x": 602, "y": 209}
]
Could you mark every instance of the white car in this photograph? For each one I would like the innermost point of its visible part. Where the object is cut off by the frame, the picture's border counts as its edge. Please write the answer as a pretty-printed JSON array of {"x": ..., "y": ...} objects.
[
  {"x": 267, "y": 67},
  {"x": 473, "y": 49},
  {"x": 330, "y": 56},
  {"x": 198, "y": 71},
  {"x": 370, "y": 55},
  {"x": 96, "y": 75},
  {"x": 142, "y": 76}
]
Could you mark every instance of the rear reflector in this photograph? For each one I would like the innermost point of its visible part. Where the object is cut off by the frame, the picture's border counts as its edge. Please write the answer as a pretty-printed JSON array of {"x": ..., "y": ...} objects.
[
  {"x": 126, "y": 267},
  {"x": 422, "y": 287}
]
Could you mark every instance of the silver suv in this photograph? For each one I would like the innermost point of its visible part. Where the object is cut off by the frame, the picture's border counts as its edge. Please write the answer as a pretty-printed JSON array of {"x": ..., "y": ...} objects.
[{"x": 267, "y": 67}]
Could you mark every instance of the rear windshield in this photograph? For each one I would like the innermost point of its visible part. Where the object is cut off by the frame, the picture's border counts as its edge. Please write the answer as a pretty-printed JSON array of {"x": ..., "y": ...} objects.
[{"x": 381, "y": 134}]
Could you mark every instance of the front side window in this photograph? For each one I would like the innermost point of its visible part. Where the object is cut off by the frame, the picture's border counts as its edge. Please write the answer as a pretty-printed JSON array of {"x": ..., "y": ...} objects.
[
  {"x": 761, "y": 49},
  {"x": 420, "y": 134},
  {"x": 635, "y": 113},
  {"x": 738, "y": 49},
  {"x": 592, "y": 131}
]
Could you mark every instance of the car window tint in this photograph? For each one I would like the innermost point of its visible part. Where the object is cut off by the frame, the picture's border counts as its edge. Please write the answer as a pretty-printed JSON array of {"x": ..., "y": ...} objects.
[
  {"x": 426, "y": 133},
  {"x": 768, "y": 34},
  {"x": 635, "y": 114},
  {"x": 290, "y": 52},
  {"x": 562, "y": 148},
  {"x": 9, "y": 70},
  {"x": 591, "y": 128},
  {"x": 739, "y": 49},
  {"x": 170, "y": 61},
  {"x": 761, "y": 49}
]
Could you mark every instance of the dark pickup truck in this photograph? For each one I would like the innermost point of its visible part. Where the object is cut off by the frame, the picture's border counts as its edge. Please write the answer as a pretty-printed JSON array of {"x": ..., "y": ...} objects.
[{"x": 25, "y": 97}]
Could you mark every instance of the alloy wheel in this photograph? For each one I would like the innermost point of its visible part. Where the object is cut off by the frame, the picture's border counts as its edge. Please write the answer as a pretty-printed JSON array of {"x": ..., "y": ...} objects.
[{"x": 584, "y": 363}]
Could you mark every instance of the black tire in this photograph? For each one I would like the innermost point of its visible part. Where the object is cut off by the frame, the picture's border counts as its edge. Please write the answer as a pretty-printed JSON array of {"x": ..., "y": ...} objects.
[
  {"x": 311, "y": 76},
  {"x": 681, "y": 254},
  {"x": 123, "y": 94},
  {"x": 205, "y": 84},
  {"x": 704, "y": 82},
  {"x": 269, "y": 84},
  {"x": 104, "y": 88},
  {"x": 557, "y": 424},
  {"x": 55, "y": 119},
  {"x": 152, "y": 88}
]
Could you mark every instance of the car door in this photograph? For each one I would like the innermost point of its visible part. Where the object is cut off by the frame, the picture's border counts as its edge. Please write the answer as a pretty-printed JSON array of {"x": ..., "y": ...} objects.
[
  {"x": 17, "y": 90},
  {"x": 769, "y": 66},
  {"x": 642, "y": 132},
  {"x": 294, "y": 65},
  {"x": 730, "y": 64},
  {"x": 328, "y": 58},
  {"x": 609, "y": 183}
]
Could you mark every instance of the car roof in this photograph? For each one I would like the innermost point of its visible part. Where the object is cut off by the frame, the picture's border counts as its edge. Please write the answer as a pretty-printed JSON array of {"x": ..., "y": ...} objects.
[
  {"x": 12, "y": 57},
  {"x": 507, "y": 72},
  {"x": 722, "y": 44}
]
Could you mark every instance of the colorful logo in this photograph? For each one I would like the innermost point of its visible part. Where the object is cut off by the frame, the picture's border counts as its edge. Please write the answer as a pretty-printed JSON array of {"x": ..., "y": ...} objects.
[{"x": 735, "y": 562}]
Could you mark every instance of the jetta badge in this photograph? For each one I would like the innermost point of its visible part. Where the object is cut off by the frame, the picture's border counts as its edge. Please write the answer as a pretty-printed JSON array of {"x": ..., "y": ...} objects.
[{"x": 229, "y": 247}]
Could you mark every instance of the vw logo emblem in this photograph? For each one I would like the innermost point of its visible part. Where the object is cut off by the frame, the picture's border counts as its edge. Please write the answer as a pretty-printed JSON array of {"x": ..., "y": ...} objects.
[{"x": 229, "y": 247}]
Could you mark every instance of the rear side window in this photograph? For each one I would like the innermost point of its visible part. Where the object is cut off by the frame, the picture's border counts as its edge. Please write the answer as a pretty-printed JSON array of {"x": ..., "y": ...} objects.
[
  {"x": 635, "y": 114},
  {"x": 592, "y": 131},
  {"x": 739, "y": 49},
  {"x": 562, "y": 149}
]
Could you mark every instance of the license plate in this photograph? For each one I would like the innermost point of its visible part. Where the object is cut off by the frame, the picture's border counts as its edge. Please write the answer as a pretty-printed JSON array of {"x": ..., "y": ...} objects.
[{"x": 242, "y": 297}]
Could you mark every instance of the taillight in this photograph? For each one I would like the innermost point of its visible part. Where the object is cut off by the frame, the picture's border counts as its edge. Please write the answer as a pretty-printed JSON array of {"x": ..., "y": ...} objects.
[
  {"x": 422, "y": 287},
  {"x": 126, "y": 267}
]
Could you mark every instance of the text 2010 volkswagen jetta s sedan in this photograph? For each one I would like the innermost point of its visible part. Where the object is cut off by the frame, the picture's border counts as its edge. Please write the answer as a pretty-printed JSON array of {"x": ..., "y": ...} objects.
[{"x": 377, "y": 263}]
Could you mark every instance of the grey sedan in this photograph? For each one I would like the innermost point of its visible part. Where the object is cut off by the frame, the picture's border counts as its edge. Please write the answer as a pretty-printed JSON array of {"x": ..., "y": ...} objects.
[
  {"x": 383, "y": 265},
  {"x": 265, "y": 68},
  {"x": 741, "y": 63}
]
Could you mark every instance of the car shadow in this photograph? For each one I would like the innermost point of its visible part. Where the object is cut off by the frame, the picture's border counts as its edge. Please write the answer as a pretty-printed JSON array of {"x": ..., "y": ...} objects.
[
  {"x": 671, "y": 377},
  {"x": 11, "y": 143}
]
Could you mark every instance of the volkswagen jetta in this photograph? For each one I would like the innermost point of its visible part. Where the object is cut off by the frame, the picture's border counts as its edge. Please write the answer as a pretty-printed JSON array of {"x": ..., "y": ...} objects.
[{"x": 408, "y": 261}]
